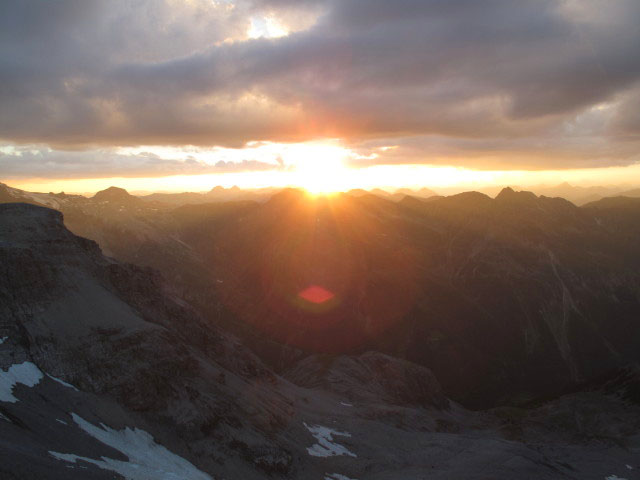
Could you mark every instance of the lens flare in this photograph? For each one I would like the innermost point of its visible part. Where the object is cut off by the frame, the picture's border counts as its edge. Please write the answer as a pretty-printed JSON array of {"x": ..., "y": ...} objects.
[{"x": 316, "y": 294}]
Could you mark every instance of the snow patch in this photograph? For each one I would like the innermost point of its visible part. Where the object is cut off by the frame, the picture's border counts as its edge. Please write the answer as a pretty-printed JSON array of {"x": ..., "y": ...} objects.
[
  {"x": 3, "y": 339},
  {"x": 25, "y": 373},
  {"x": 337, "y": 476},
  {"x": 629, "y": 467},
  {"x": 61, "y": 421},
  {"x": 5, "y": 418},
  {"x": 326, "y": 446},
  {"x": 614, "y": 477},
  {"x": 147, "y": 459},
  {"x": 346, "y": 404},
  {"x": 62, "y": 382}
]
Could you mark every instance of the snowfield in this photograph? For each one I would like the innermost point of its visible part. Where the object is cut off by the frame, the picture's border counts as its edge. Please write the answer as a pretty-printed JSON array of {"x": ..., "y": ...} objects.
[
  {"x": 326, "y": 447},
  {"x": 25, "y": 373},
  {"x": 147, "y": 459}
]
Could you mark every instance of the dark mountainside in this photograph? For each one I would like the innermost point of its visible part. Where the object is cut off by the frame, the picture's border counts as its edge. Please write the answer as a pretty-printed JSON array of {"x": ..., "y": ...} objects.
[
  {"x": 525, "y": 307},
  {"x": 507, "y": 300}
]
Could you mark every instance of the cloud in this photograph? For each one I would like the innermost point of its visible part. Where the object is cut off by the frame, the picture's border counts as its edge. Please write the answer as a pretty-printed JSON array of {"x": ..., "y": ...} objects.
[
  {"x": 29, "y": 162},
  {"x": 496, "y": 82}
]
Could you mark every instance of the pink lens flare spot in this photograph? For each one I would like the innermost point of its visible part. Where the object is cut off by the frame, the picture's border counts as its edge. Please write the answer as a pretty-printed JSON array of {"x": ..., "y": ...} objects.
[{"x": 316, "y": 294}]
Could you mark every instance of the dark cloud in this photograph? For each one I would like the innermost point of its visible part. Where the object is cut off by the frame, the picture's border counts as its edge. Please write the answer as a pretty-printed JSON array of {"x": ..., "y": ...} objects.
[
  {"x": 491, "y": 82},
  {"x": 540, "y": 153}
]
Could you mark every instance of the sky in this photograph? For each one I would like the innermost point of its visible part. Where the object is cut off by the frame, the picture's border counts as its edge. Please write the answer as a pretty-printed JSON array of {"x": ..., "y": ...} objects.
[{"x": 163, "y": 95}]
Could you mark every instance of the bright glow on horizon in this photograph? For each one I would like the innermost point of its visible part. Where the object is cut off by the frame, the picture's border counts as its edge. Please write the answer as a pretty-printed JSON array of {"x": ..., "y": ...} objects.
[
  {"x": 322, "y": 170},
  {"x": 340, "y": 178},
  {"x": 319, "y": 167}
]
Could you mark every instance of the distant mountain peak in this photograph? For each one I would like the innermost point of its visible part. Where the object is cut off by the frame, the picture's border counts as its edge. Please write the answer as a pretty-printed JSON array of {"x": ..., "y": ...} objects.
[
  {"x": 221, "y": 189},
  {"x": 357, "y": 192},
  {"x": 379, "y": 192},
  {"x": 510, "y": 194},
  {"x": 506, "y": 191},
  {"x": 113, "y": 193},
  {"x": 427, "y": 191},
  {"x": 287, "y": 195},
  {"x": 469, "y": 196}
]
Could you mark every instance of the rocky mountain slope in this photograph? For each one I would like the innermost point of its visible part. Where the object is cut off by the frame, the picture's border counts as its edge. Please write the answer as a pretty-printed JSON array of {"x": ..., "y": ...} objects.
[
  {"x": 116, "y": 331},
  {"x": 106, "y": 373},
  {"x": 507, "y": 300}
]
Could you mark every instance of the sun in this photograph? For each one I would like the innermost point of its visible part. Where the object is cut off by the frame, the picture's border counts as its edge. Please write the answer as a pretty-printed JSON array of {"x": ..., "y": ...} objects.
[{"x": 321, "y": 169}]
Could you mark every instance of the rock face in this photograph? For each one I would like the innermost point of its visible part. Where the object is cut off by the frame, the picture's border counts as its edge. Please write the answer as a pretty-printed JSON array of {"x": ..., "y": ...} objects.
[
  {"x": 371, "y": 377},
  {"x": 116, "y": 331},
  {"x": 106, "y": 373}
]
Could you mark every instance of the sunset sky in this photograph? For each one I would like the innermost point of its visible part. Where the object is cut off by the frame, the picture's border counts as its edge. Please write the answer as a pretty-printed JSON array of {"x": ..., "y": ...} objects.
[{"x": 327, "y": 94}]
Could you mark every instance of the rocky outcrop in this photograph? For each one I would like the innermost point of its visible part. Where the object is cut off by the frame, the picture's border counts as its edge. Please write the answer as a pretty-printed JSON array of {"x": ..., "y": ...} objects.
[{"x": 371, "y": 377}]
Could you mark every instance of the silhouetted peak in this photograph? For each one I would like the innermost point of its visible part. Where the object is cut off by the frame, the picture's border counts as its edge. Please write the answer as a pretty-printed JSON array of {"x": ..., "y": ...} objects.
[
  {"x": 113, "y": 193},
  {"x": 427, "y": 192},
  {"x": 465, "y": 197},
  {"x": 357, "y": 192},
  {"x": 287, "y": 194},
  {"x": 411, "y": 201},
  {"x": 220, "y": 190},
  {"x": 510, "y": 195},
  {"x": 505, "y": 192},
  {"x": 423, "y": 191},
  {"x": 380, "y": 192},
  {"x": 464, "y": 202}
]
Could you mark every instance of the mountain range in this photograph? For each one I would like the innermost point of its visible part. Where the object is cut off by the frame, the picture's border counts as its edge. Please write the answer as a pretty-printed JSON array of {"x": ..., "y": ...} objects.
[{"x": 354, "y": 336}]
